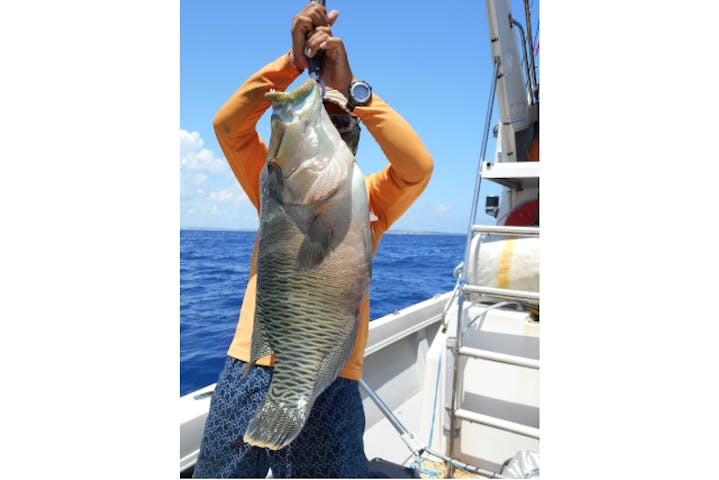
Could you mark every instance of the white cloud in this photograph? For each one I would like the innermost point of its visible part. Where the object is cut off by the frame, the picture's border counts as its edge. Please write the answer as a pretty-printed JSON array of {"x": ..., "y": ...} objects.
[
  {"x": 438, "y": 207},
  {"x": 210, "y": 193},
  {"x": 189, "y": 142},
  {"x": 224, "y": 196},
  {"x": 195, "y": 158},
  {"x": 431, "y": 217}
]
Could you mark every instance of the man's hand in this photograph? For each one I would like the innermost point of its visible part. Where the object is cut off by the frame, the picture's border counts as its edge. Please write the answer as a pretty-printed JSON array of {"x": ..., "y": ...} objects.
[
  {"x": 303, "y": 24},
  {"x": 336, "y": 71}
]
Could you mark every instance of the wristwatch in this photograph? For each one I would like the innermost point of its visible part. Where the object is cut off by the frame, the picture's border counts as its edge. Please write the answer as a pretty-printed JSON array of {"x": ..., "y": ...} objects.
[{"x": 360, "y": 94}]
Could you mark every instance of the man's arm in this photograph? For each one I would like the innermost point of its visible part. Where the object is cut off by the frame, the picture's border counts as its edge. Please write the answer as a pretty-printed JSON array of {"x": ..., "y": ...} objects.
[
  {"x": 393, "y": 189},
  {"x": 236, "y": 120}
]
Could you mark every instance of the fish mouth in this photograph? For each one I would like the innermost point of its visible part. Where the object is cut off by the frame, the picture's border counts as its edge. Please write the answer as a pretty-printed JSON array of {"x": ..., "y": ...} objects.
[
  {"x": 286, "y": 105},
  {"x": 295, "y": 119}
]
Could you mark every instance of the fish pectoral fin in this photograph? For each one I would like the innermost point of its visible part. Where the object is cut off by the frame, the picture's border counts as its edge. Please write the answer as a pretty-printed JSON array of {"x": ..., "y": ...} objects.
[
  {"x": 315, "y": 246},
  {"x": 311, "y": 253}
]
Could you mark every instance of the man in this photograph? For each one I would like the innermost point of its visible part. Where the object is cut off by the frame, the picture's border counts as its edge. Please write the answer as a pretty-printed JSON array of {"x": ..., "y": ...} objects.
[{"x": 330, "y": 444}]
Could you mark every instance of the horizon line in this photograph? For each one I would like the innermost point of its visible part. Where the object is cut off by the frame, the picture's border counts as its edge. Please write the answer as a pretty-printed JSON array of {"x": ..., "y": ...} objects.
[{"x": 390, "y": 231}]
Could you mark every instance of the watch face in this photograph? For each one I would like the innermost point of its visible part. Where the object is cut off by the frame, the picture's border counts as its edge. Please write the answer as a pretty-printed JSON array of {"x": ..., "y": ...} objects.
[{"x": 361, "y": 92}]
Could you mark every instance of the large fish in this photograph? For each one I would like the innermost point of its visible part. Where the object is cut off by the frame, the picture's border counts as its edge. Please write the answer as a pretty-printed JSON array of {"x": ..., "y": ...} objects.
[{"x": 314, "y": 262}]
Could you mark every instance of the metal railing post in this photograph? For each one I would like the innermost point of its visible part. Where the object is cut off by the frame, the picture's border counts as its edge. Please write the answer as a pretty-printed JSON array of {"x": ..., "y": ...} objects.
[{"x": 463, "y": 276}]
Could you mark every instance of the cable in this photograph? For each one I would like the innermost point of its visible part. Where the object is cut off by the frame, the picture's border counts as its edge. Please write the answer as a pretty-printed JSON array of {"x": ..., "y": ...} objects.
[
  {"x": 496, "y": 305},
  {"x": 434, "y": 407}
]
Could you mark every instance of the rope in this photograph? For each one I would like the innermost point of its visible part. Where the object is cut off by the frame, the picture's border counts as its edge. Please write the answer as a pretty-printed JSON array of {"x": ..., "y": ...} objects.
[{"x": 434, "y": 407}]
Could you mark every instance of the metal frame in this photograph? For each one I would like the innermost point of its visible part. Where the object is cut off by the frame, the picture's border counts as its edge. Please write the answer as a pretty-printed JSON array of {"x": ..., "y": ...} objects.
[
  {"x": 456, "y": 413},
  {"x": 463, "y": 275}
]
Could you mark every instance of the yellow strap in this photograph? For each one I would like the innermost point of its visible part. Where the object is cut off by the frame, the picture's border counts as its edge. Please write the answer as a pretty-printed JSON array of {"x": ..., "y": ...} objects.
[{"x": 505, "y": 263}]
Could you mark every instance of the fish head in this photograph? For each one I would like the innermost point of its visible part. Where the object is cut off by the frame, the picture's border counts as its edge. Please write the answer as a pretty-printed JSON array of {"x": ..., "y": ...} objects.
[
  {"x": 295, "y": 119},
  {"x": 313, "y": 159}
]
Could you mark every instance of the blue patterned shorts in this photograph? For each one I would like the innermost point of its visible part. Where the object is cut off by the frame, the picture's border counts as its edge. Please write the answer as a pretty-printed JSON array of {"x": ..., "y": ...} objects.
[{"x": 329, "y": 446}]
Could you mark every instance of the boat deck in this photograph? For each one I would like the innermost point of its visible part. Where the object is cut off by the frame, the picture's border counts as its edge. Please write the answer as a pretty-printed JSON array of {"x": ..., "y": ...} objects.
[{"x": 432, "y": 469}]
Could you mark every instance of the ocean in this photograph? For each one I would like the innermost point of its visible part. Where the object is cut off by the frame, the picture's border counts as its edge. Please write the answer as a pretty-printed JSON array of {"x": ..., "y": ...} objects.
[{"x": 214, "y": 268}]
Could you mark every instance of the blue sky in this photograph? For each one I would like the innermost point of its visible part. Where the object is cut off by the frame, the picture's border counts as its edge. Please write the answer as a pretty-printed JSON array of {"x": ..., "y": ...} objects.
[{"x": 429, "y": 60}]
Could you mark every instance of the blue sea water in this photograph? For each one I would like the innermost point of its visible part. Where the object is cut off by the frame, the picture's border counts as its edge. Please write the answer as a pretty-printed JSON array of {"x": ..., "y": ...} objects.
[{"x": 214, "y": 268}]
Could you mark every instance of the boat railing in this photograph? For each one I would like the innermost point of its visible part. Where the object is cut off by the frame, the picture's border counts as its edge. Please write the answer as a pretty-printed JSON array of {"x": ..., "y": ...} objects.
[
  {"x": 509, "y": 177},
  {"x": 464, "y": 293},
  {"x": 503, "y": 292},
  {"x": 525, "y": 61},
  {"x": 506, "y": 230}
]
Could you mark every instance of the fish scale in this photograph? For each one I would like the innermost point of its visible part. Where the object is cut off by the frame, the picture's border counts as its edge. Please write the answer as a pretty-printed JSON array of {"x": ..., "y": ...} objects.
[{"x": 314, "y": 263}]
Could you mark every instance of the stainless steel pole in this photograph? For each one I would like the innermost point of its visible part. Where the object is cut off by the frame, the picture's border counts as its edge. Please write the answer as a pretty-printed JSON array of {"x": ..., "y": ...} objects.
[
  {"x": 411, "y": 441},
  {"x": 383, "y": 407},
  {"x": 530, "y": 85},
  {"x": 535, "y": 93},
  {"x": 463, "y": 277}
]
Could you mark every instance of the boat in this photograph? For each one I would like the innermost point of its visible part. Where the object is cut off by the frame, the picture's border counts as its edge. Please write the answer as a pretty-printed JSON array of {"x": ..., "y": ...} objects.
[{"x": 450, "y": 385}]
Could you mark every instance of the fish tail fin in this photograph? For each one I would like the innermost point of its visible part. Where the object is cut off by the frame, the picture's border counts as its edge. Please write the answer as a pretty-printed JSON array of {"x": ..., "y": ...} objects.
[{"x": 277, "y": 423}]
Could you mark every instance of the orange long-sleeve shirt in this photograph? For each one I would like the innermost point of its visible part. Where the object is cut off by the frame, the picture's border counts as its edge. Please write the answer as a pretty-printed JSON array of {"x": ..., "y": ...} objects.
[{"x": 390, "y": 191}]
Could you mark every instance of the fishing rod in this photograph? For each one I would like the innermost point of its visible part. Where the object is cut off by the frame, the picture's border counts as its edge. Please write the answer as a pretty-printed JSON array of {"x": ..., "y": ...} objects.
[{"x": 315, "y": 63}]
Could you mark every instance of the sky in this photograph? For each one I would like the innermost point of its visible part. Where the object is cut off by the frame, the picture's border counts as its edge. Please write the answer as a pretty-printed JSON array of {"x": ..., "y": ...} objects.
[{"x": 430, "y": 61}]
